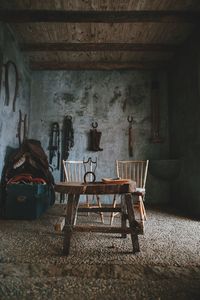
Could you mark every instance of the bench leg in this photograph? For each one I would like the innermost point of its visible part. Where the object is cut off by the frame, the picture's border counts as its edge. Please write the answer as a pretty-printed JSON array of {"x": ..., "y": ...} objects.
[
  {"x": 123, "y": 215},
  {"x": 132, "y": 223},
  {"x": 72, "y": 206}
]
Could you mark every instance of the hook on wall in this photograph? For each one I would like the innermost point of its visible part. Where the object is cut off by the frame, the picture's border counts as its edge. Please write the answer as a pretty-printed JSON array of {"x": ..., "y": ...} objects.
[{"x": 94, "y": 125}]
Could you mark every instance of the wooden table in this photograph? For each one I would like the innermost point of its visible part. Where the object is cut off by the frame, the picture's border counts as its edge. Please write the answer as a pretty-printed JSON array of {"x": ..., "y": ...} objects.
[{"x": 75, "y": 189}]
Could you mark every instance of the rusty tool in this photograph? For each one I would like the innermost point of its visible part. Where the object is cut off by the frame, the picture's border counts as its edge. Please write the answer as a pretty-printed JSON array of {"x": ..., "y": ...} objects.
[
  {"x": 130, "y": 137},
  {"x": 67, "y": 143},
  {"x": 54, "y": 144},
  {"x": 22, "y": 128},
  {"x": 95, "y": 137}
]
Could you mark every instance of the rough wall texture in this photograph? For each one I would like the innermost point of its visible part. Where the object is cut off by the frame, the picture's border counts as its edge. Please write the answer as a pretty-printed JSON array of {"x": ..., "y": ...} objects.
[
  {"x": 8, "y": 119},
  {"x": 108, "y": 98},
  {"x": 184, "y": 83},
  {"x": 103, "y": 97}
]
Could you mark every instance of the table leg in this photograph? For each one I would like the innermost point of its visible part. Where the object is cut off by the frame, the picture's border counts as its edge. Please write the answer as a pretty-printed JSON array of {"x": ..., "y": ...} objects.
[
  {"x": 123, "y": 215},
  {"x": 132, "y": 223},
  {"x": 72, "y": 205}
]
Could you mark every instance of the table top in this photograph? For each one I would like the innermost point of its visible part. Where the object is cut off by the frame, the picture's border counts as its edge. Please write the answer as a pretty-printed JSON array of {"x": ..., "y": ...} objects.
[{"x": 99, "y": 188}]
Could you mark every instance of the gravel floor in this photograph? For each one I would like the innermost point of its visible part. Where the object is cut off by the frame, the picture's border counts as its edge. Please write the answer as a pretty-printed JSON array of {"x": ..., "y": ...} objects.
[{"x": 100, "y": 266}]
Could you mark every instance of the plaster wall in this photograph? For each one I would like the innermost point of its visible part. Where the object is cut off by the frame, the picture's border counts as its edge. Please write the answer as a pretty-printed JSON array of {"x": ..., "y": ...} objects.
[
  {"x": 184, "y": 99},
  {"x": 9, "y": 50},
  {"x": 107, "y": 98}
]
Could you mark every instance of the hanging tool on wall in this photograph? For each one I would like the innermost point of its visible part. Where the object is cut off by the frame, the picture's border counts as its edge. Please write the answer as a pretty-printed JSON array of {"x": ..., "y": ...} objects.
[
  {"x": 67, "y": 144},
  {"x": 54, "y": 144},
  {"x": 67, "y": 136},
  {"x": 155, "y": 113},
  {"x": 95, "y": 137},
  {"x": 130, "y": 136},
  {"x": 22, "y": 128},
  {"x": 10, "y": 67}
]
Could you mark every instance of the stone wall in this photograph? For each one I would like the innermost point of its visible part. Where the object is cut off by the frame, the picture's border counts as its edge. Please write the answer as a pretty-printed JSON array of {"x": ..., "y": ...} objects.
[
  {"x": 107, "y": 98},
  {"x": 9, "y": 50},
  {"x": 88, "y": 96}
]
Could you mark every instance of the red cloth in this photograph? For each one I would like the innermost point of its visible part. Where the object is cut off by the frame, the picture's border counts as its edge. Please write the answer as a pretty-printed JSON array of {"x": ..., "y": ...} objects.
[{"x": 26, "y": 178}]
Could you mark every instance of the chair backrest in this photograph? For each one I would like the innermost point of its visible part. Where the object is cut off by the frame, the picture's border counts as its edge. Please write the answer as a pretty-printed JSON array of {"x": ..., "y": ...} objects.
[
  {"x": 133, "y": 169},
  {"x": 75, "y": 170}
]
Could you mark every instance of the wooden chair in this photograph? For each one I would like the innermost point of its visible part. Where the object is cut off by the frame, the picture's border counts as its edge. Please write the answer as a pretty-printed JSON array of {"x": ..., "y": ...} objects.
[
  {"x": 75, "y": 170},
  {"x": 135, "y": 170}
]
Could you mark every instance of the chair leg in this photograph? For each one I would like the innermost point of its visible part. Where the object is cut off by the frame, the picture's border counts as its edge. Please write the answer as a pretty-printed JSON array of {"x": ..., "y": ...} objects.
[
  {"x": 144, "y": 211},
  {"x": 141, "y": 210},
  {"x": 139, "y": 207},
  {"x": 87, "y": 203},
  {"x": 112, "y": 213},
  {"x": 99, "y": 204}
]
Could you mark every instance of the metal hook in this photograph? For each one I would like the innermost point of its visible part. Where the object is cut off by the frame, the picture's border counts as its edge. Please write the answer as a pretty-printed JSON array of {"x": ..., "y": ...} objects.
[
  {"x": 89, "y": 173},
  {"x": 130, "y": 119},
  {"x": 94, "y": 124}
]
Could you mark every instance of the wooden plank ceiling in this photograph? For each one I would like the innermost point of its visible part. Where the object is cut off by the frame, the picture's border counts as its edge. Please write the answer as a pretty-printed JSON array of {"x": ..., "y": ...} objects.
[{"x": 100, "y": 34}]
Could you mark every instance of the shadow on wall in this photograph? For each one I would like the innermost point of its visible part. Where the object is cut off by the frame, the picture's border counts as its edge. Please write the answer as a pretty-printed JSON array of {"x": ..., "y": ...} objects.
[
  {"x": 165, "y": 169},
  {"x": 162, "y": 173}
]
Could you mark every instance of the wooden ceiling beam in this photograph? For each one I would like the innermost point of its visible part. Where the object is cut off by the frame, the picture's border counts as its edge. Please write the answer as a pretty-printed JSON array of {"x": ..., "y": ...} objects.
[
  {"x": 83, "y": 47},
  {"x": 22, "y": 16},
  {"x": 41, "y": 65}
]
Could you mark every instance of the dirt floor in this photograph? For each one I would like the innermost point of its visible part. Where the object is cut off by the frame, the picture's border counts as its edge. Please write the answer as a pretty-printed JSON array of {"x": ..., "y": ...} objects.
[{"x": 100, "y": 266}]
